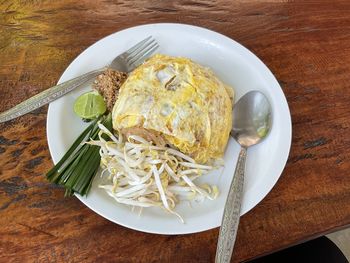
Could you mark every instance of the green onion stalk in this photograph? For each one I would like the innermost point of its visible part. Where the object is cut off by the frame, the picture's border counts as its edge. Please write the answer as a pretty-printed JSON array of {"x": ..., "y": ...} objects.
[{"x": 78, "y": 167}]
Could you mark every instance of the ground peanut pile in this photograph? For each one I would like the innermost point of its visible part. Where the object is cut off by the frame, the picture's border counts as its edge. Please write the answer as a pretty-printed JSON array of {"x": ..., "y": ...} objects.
[{"x": 108, "y": 84}]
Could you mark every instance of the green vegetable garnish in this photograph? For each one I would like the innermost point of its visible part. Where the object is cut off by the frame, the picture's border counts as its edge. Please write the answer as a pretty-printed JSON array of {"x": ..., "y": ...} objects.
[{"x": 78, "y": 167}]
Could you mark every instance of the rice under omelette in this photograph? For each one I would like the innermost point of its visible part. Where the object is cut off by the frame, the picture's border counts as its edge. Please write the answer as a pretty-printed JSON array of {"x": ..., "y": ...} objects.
[{"x": 181, "y": 102}]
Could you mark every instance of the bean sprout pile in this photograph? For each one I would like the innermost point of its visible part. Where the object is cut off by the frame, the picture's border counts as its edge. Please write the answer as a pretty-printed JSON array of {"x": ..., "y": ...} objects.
[{"x": 142, "y": 174}]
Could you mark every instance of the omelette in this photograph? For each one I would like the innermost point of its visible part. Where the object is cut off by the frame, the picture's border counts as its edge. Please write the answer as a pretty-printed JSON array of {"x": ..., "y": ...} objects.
[{"x": 178, "y": 102}]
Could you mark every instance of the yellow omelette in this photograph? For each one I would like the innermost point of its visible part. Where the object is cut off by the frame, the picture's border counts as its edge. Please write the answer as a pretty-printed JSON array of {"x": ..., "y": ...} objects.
[{"x": 179, "y": 100}]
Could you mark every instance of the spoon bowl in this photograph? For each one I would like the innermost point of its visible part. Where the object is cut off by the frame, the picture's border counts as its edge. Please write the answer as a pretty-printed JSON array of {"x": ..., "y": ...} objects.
[{"x": 251, "y": 119}]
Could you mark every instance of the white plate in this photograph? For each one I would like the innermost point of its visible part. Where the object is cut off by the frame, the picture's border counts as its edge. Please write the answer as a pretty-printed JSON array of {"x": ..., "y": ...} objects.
[{"x": 236, "y": 66}]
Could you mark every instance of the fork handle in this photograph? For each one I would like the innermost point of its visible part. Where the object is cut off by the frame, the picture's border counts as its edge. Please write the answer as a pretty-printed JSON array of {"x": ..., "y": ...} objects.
[
  {"x": 47, "y": 96},
  {"x": 230, "y": 219}
]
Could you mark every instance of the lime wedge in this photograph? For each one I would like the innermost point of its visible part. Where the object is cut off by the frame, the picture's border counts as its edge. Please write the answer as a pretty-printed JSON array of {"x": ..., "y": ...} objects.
[{"x": 89, "y": 105}]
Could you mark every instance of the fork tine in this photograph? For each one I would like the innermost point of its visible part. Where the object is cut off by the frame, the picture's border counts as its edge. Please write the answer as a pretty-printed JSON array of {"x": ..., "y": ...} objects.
[
  {"x": 140, "y": 50},
  {"x": 144, "y": 55},
  {"x": 135, "y": 57},
  {"x": 136, "y": 46}
]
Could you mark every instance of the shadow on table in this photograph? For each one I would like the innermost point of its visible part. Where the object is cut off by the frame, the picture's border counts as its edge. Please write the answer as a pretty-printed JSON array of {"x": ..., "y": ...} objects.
[{"x": 320, "y": 250}]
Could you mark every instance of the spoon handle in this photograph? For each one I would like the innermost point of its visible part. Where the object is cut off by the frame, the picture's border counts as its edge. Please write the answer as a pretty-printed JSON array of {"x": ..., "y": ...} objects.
[{"x": 230, "y": 219}]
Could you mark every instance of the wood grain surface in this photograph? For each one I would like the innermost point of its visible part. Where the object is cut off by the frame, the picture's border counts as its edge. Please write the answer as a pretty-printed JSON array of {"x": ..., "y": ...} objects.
[{"x": 305, "y": 44}]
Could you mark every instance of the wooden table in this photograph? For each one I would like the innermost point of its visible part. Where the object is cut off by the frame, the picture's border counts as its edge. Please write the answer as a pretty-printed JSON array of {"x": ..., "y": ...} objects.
[{"x": 307, "y": 47}]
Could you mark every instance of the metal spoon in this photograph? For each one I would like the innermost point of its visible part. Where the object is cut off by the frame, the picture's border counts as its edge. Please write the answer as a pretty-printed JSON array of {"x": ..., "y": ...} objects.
[{"x": 251, "y": 124}]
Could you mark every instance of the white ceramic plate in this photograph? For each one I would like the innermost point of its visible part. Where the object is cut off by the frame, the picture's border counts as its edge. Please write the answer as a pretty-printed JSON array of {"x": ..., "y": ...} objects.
[{"x": 236, "y": 66}]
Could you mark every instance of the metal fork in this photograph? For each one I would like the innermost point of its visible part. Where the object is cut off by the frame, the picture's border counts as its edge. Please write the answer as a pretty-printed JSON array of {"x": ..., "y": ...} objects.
[{"x": 125, "y": 62}]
